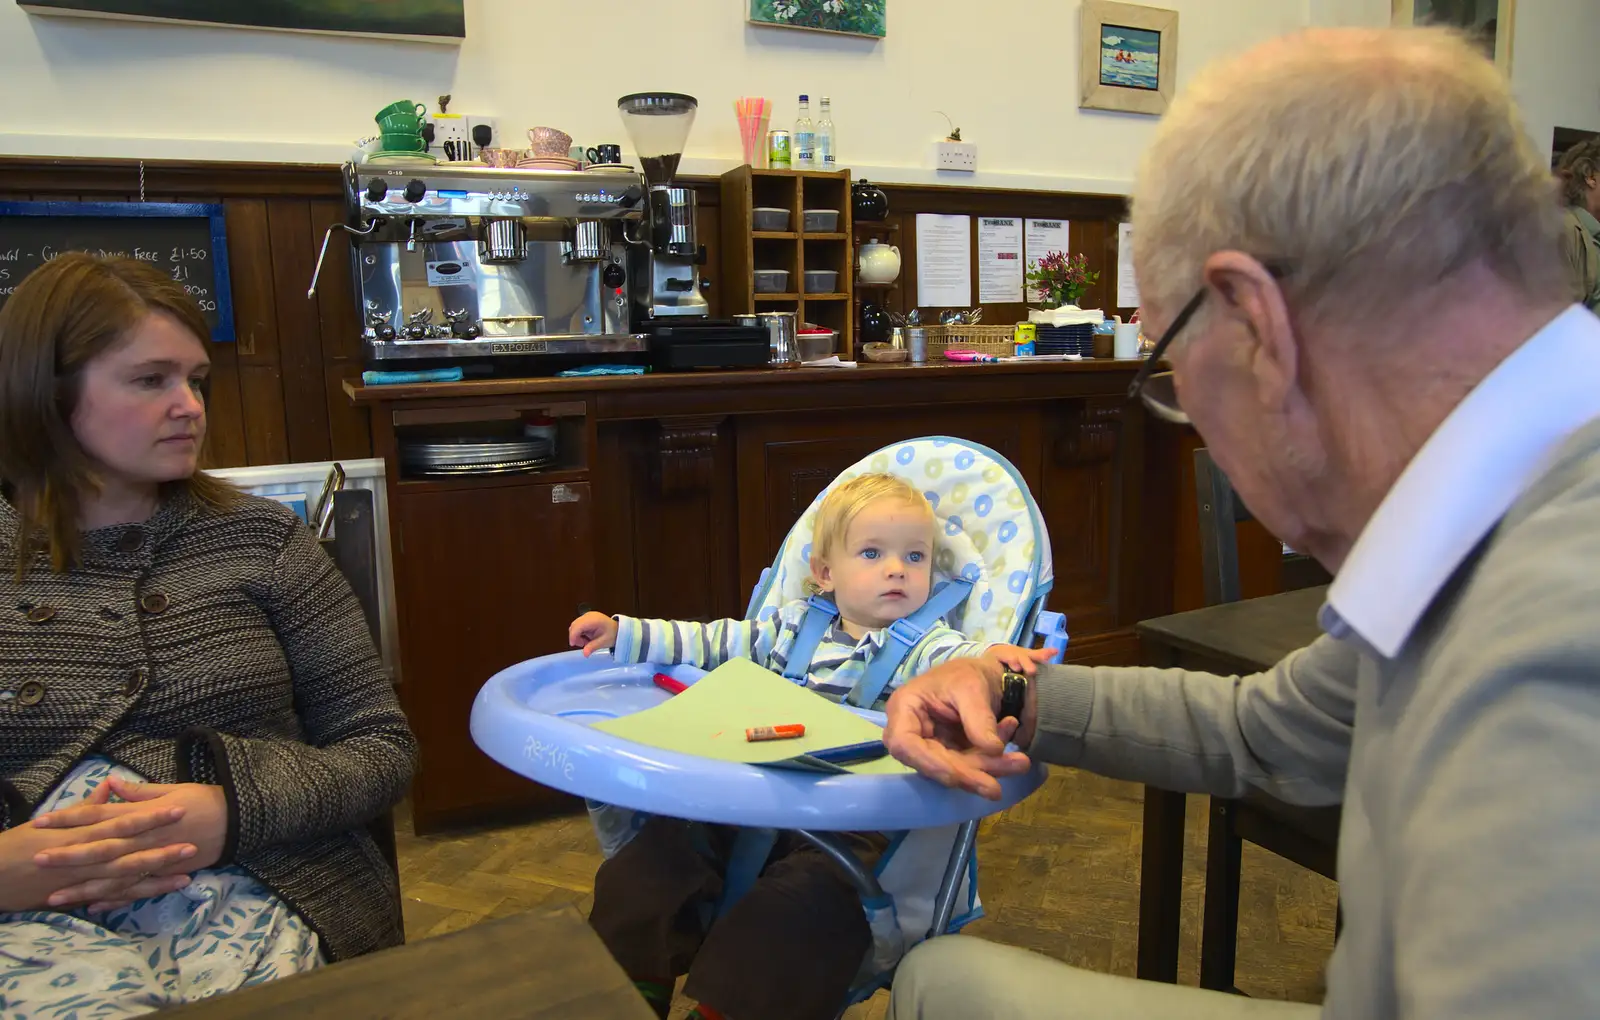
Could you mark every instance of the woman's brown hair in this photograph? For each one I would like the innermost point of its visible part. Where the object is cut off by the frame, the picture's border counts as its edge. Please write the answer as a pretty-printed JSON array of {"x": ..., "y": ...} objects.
[{"x": 62, "y": 316}]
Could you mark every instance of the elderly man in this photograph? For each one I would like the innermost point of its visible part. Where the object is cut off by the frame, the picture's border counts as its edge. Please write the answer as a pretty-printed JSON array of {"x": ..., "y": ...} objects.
[{"x": 1351, "y": 246}]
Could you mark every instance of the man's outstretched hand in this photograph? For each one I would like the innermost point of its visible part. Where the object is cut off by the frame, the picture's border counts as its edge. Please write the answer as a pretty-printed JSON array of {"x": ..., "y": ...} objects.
[{"x": 943, "y": 724}]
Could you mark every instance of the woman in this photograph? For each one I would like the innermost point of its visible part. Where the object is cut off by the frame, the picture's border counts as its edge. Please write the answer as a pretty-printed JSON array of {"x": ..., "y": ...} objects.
[
  {"x": 1579, "y": 173},
  {"x": 194, "y": 725}
]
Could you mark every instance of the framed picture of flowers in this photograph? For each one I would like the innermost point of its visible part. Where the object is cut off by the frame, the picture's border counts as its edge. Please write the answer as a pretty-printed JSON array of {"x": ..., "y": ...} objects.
[
  {"x": 848, "y": 17},
  {"x": 1128, "y": 57}
]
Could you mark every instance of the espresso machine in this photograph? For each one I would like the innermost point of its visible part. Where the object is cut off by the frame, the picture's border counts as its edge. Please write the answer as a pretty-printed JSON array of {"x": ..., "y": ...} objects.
[
  {"x": 457, "y": 261},
  {"x": 498, "y": 265}
]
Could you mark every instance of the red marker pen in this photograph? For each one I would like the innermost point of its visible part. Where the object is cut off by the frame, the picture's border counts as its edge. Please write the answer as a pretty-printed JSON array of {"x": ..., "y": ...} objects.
[{"x": 670, "y": 685}]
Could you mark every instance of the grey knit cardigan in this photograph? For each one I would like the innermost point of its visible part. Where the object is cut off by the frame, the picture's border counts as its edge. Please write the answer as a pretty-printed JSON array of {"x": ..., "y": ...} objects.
[{"x": 218, "y": 647}]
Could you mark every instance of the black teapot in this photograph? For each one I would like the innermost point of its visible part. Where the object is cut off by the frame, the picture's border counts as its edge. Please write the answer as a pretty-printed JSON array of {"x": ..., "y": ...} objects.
[
  {"x": 875, "y": 324},
  {"x": 868, "y": 202}
]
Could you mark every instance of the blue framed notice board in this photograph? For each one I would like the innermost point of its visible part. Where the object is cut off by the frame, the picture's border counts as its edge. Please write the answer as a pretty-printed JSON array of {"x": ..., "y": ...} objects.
[{"x": 188, "y": 241}]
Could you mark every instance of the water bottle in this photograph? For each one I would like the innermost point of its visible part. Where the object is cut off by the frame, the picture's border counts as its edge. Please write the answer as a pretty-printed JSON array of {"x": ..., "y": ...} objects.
[
  {"x": 805, "y": 140},
  {"x": 825, "y": 160}
]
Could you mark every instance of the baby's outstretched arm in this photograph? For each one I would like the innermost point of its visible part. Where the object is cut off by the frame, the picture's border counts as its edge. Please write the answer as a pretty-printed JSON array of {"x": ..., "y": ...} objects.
[
  {"x": 593, "y": 632},
  {"x": 1014, "y": 657}
]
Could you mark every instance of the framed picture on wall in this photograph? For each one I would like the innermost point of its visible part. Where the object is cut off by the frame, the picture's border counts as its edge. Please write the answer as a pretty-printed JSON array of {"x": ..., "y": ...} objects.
[
  {"x": 1128, "y": 59},
  {"x": 848, "y": 17},
  {"x": 442, "y": 21},
  {"x": 1490, "y": 21}
]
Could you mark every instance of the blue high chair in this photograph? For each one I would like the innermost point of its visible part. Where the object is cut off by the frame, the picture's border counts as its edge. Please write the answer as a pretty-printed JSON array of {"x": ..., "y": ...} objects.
[{"x": 992, "y": 572}]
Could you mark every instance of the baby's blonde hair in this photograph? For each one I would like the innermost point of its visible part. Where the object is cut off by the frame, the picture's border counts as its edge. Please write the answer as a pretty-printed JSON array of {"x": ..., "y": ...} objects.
[{"x": 846, "y": 501}]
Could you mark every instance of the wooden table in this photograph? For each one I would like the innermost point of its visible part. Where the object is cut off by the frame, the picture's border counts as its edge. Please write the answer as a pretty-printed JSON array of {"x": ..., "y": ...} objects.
[
  {"x": 1240, "y": 637},
  {"x": 541, "y": 964}
]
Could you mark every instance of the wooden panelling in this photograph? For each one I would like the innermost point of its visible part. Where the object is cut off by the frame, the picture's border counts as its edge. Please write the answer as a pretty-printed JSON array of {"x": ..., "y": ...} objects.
[
  {"x": 1093, "y": 233},
  {"x": 478, "y": 592},
  {"x": 300, "y": 360},
  {"x": 255, "y": 312}
]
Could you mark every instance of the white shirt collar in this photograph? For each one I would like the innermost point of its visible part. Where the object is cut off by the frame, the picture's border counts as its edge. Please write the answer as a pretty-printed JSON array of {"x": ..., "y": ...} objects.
[{"x": 1490, "y": 450}]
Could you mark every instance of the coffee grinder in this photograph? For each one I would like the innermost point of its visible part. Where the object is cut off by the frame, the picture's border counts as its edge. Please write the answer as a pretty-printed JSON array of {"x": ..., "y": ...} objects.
[
  {"x": 667, "y": 300},
  {"x": 658, "y": 124}
]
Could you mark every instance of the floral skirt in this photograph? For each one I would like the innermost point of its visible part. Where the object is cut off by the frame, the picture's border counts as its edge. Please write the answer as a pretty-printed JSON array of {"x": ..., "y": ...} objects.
[{"x": 223, "y": 931}]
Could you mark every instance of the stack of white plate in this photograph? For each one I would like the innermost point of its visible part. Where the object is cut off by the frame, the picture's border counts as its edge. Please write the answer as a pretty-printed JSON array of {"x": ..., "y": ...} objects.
[{"x": 476, "y": 456}]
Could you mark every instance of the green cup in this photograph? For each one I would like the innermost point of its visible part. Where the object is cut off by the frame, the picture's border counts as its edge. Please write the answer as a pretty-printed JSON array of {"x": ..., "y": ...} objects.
[
  {"x": 403, "y": 142},
  {"x": 404, "y": 106},
  {"x": 400, "y": 124}
]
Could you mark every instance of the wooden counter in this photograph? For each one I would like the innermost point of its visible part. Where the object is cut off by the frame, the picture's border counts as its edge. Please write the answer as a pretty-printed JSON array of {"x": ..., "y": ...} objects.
[{"x": 675, "y": 490}]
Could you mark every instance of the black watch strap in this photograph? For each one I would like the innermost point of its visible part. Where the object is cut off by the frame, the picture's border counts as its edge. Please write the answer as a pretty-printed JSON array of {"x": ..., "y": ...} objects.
[{"x": 1013, "y": 694}]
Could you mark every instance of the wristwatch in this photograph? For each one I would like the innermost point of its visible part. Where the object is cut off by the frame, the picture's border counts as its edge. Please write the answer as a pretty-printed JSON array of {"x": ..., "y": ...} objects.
[{"x": 1013, "y": 693}]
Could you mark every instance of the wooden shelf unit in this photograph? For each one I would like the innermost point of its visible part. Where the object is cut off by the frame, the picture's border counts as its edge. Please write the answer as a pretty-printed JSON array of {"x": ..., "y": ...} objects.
[{"x": 744, "y": 250}]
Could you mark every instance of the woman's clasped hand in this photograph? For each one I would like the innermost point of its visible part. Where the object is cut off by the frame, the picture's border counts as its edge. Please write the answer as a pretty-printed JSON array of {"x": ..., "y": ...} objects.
[{"x": 104, "y": 853}]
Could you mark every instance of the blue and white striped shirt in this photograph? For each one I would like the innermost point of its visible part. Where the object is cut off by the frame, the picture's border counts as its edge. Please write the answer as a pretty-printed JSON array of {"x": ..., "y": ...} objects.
[{"x": 836, "y": 667}]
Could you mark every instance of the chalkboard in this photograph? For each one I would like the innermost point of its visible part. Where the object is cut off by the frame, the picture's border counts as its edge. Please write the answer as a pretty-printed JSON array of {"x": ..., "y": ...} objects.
[{"x": 186, "y": 241}]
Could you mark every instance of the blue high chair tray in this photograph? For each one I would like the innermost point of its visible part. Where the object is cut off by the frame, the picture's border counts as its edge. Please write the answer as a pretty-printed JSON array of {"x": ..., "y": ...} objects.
[{"x": 536, "y": 717}]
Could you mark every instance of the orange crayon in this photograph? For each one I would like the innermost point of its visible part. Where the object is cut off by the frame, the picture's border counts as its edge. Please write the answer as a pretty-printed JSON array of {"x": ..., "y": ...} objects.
[{"x": 787, "y": 732}]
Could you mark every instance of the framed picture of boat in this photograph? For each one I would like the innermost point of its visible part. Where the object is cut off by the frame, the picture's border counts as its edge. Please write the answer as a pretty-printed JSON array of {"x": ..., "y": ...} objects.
[
  {"x": 1129, "y": 57},
  {"x": 1488, "y": 21},
  {"x": 438, "y": 21}
]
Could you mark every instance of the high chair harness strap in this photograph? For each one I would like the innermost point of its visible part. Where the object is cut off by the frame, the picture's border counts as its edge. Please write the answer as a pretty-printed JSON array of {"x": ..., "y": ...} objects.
[
  {"x": 898, "y": 640},
  {"x": 901, "y": 637},
  {"x": 820, "y": 614}
]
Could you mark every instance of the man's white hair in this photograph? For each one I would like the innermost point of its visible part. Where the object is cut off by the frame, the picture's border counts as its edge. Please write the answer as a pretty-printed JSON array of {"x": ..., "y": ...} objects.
[{"x": 1369, "y": 163}]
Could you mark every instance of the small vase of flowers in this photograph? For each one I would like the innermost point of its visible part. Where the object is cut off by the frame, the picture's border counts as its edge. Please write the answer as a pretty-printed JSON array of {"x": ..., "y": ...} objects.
[{"x": 1061, "y": 279}]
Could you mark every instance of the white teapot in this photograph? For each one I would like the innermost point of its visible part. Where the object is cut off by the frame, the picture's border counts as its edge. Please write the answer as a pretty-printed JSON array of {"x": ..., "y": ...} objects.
[{"x": 878, "y": 263}]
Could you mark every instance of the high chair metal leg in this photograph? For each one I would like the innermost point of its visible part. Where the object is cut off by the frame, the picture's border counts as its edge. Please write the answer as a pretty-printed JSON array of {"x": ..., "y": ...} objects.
[
  {"x": 861, "y": 876},
  {"x": 945, "y": 905}
]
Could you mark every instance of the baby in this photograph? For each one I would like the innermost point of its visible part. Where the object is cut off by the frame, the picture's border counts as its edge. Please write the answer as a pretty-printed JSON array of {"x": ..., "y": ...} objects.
[{"x": 872, "y": 551}]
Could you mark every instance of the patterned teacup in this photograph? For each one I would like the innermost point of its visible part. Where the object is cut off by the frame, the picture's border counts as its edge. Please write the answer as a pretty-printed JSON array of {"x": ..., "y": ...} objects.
[
  {"x": 501, "y": 157},
  {"x": 549, "y": 141}
]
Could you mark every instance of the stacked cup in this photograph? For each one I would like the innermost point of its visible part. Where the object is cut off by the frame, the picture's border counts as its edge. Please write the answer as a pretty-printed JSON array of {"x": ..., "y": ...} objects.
[{"x": 401, "y": 124}]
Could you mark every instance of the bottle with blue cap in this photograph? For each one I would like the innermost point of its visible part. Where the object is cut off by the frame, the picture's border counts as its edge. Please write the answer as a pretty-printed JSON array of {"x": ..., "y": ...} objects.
[{"x": 805, "y": 138}]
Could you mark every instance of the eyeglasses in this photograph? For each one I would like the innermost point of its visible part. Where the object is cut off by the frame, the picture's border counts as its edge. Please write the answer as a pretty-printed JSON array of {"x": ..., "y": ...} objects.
[{"x": 1157, "y": 390}]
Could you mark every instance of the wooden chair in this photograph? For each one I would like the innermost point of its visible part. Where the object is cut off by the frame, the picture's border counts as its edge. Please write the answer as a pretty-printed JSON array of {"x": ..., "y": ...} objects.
[
  {"x": 1307, "y": 836},
  {"x": 354, "y": 550}
]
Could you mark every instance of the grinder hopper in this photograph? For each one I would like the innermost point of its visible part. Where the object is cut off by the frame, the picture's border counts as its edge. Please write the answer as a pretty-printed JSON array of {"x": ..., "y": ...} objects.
[{"x": 658, "y": 125}]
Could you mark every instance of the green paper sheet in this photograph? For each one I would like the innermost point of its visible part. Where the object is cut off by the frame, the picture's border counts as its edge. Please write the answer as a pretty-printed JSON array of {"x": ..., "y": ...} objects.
[{"x": 710, "y": 718}]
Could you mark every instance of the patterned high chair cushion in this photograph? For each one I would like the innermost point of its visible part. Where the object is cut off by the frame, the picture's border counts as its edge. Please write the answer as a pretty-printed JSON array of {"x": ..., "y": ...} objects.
[{"x": 989, "y": 532}]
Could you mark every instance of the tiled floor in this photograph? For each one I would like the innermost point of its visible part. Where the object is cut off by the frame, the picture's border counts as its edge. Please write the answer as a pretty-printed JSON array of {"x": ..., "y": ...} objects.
[{"x": 1059, "y": 874}]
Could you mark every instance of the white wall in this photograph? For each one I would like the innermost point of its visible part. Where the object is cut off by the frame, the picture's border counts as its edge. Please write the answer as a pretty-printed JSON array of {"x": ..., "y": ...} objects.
[
  {"x": 1555, "y": 57},
  {"x": 1555, "y": 65},
  {"x": 1006, "y": 70}
]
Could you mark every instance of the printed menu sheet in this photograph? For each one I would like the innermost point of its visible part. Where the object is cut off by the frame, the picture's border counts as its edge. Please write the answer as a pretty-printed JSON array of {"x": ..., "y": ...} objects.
[
  {"x": 1127, "y": 286},
  {"x": 944, "y": 260},
  {"x": 999, "y": 260},
  {"x": 1042, "y": 238}
]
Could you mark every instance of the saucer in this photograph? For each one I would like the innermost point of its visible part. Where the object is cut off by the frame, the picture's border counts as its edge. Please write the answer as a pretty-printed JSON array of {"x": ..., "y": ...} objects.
[
  {"x": 550, "y": 163},
  {"x": 612, "y": 168},
  {"x": 400, "y": 157}
]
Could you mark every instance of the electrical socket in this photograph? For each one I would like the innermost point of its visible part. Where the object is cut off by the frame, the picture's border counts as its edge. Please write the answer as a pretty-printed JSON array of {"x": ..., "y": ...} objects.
[
  {"x": 495, "y": 141},
  {"x": 961, "y": 156},
  {"x": 448, "y": 127}
]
